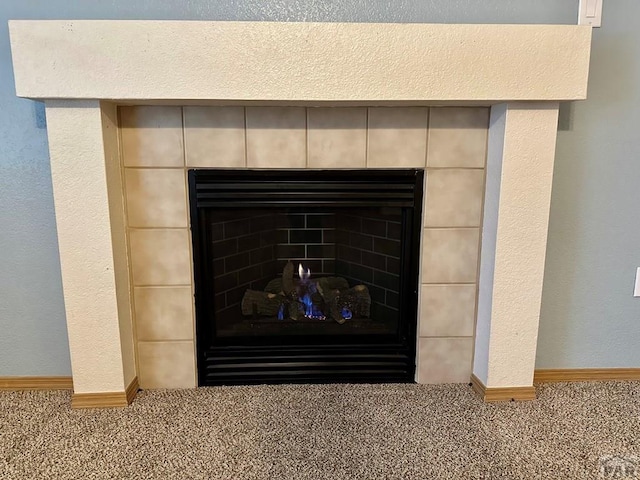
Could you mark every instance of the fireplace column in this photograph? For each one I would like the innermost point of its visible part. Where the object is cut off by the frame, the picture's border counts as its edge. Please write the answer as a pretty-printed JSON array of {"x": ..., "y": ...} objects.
[
  {"x": 87, "y": 186},
  {"x": 520, "y": 156}
]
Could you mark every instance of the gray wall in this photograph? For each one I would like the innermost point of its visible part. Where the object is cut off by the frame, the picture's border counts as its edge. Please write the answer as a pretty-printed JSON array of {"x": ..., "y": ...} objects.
[{"x": 589, "y": 317}]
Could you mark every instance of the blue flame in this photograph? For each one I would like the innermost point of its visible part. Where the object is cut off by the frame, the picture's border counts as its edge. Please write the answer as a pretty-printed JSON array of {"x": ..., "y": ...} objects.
[
  {"x": 308, "y": 305},
  {"x": 346, "y": 313},
  {"x": 281, "y": 312},
  {"x": 309, "y": 288},
  {"x": 310, "y": 309}
]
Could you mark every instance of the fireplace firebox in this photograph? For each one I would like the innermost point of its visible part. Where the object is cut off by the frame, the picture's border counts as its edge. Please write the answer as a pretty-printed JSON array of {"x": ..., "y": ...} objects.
[{"x": 305, "y": 276}]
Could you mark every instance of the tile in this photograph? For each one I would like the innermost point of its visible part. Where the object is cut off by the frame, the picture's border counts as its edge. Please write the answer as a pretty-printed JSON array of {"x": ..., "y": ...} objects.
[
  {"x": 164, "y": 313},
  {"x": 447, "y": 310},
  {"x": 166, "y": 365},
  {"x": 214, "y": 137},
  {"x": 445, "y": 360},
  {"x": 156, "y": 197},
  {"x": 160, "y": 257},
  {"x": 454, "y": 198},
  {"x": 276, "y": 137},
  {"x": 450, "y": 255},
  {"x": 397, "y": 137},
  {"x": 152, "y": 136},
  {"x": 337, "y": 137},
  {"x": 457, "y": 137}
]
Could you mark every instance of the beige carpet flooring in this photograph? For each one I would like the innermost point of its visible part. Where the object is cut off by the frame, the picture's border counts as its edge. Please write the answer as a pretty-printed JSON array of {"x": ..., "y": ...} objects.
[{"x": 321, "y": 432}]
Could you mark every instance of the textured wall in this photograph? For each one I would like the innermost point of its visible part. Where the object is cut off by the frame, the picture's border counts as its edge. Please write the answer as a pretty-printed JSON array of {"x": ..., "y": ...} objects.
[{"x": 589, "y": 317}]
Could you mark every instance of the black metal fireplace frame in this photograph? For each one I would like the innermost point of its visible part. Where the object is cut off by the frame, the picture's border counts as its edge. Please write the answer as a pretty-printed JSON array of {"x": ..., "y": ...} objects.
[{"x": 356, "y": 359}]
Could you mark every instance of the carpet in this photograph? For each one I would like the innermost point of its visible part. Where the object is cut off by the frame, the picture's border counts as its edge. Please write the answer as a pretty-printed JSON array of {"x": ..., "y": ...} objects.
[{"x": 324, "y": 432}]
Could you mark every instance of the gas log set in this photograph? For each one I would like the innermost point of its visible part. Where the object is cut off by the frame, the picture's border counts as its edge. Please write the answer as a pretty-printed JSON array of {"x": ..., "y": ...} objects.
[{"x": 306, "y": 299}]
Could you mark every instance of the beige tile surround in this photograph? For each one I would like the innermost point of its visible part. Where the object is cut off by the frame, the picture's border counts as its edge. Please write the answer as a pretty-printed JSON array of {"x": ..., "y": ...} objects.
[{"x": 160, "y": 143}]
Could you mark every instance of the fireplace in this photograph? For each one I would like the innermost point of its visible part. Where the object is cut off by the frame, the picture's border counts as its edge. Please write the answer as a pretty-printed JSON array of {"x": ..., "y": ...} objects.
[
  {"x": 306, "y": 276},
  {"x": 119, "y": 257}
]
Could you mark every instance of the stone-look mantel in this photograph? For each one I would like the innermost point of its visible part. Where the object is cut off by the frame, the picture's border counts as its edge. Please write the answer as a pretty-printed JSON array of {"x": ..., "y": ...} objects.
[{"x": 82, "y": 69}]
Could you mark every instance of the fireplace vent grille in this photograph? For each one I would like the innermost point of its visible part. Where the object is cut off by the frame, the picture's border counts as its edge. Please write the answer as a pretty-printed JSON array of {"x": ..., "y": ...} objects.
[{"x": 257, "y": 188}]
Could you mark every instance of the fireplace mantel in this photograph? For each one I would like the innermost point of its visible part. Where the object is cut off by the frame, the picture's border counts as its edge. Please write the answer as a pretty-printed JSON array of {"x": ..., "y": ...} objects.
[
  {"x": 308, "y": 62},
  {"x": 84, "y": 69}
]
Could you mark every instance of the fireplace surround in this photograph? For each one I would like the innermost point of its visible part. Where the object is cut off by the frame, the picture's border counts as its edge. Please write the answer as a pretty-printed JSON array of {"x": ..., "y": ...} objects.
[
  {"x": 160, "y": 144},
  {"x": 84, "y": 69}
]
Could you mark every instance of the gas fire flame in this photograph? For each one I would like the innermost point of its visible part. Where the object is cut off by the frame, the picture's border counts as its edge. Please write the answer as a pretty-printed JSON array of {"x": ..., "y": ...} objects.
[
  {"x": 306, "y": 290},
  {"x": 304, "y": 275}
]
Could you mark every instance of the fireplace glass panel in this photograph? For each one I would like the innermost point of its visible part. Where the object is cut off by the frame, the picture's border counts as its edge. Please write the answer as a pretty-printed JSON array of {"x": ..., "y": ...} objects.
[{"x": 305, "y": 271}]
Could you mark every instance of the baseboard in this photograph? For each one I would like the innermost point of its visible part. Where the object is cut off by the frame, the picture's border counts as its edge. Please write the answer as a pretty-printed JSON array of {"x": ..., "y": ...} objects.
[
  {"x": 36, "y": 383},
  {"x": 552, "y": 375},
  {"x": 106, "y": 399},
  {"x": 132, "y": 390},
  {"x": 502, "y": 394}
]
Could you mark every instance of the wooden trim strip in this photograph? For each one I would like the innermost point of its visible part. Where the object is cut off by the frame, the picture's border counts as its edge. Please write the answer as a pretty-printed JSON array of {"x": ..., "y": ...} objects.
[
  {"x": 106, "y": 399},
  {"x": 99, "y": 400},
  {"x": 36, "y": 383},
  {"x": 477, "y": 385},
  {"x": 502, "y": 394},
  {"x": 132, "y": 390},
  {"x": 506, "y": 394},
  {"x": 552, "y": 375}
]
